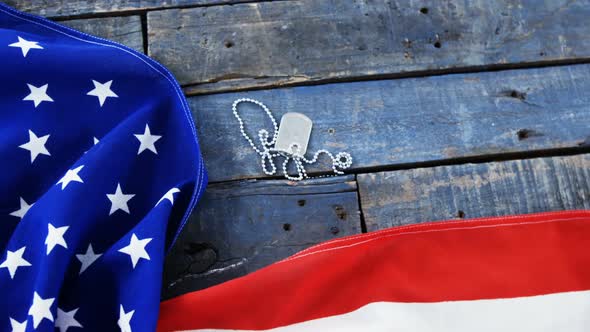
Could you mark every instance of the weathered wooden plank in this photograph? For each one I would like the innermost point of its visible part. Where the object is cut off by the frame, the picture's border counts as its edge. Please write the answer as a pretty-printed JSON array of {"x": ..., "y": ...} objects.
[
  {"x": 475, "y": 190},
  {"x": 280, "y": 43},
  {"x": 240, "y": 227},
  {"x": 395, "y": 122},
  {"x": 125, "y": 30},
  {"x": 56, "y": 8}
]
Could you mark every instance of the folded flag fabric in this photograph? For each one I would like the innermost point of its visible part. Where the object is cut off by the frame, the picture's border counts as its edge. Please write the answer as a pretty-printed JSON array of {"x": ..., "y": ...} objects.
[
  {"x": 518, "y": 273},
  {"x": 101, "y": 167}
]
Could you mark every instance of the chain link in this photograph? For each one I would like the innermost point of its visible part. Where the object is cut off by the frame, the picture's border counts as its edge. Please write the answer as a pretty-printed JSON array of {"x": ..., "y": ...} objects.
[{"x": 268, "y": 153}]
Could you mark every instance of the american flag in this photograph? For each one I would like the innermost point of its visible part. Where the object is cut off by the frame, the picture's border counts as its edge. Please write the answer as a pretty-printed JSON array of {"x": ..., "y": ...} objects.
[
  {"x": 528, "y": 273},
  {"x": 101, "y": 167}
]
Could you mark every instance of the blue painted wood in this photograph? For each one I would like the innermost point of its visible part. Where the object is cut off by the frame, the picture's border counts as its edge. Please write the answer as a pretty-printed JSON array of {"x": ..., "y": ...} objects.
[
  {"x": 278, "y": 43},
  {"x": 396, "y": 122},
  {"x": 57, "y": 8},
  {"x": 125, "y": 30},
  {"x": 474, "y": 190},
  {"x": 239, "y": 227}
]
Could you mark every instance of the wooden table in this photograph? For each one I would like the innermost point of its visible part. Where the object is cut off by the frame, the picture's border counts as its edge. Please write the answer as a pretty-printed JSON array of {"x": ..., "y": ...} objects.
[{"x": 450, "y": 110}]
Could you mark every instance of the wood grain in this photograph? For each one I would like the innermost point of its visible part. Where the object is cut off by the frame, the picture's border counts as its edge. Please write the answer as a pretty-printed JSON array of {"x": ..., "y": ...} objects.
[
  {"x": 474, "y": 190},
  {"x": 267, "y": 44},
  {"x": 57, "y": 8},
  {"x": 125, "y": 30},
  {"x": 401, "y": 122},
  {"x": 239, "y": 227}
]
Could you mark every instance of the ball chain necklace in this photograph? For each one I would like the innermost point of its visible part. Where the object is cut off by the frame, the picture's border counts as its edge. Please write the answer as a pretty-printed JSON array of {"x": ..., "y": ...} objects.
[{"x": 294, "y": 151}]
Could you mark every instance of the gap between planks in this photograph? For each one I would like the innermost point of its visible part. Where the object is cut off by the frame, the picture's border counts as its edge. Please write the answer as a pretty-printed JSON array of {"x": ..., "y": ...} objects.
[
  {"x": 360, "y": 206},
  {"x": 226, "y": 86},
  {"x": 451, "y": 162},
  {"x": 584, "y": 148}
]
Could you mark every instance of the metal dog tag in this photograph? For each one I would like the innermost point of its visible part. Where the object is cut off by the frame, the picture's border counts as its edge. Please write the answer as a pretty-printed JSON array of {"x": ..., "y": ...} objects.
[{"x": 294, "y": 133}]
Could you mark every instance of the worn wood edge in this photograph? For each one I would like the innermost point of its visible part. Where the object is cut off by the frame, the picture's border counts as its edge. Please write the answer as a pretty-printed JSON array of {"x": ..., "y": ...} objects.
[
  {"x": 269, "y": 83},
  {"x": 474, "y": 190},
  {"x": 241, "y": 226},
  {"x": 332, "y": 184},
  {"x": 581, "y": 147},
  {"x": 72, "y": 10},
  {"x": 126, "y": 30}
]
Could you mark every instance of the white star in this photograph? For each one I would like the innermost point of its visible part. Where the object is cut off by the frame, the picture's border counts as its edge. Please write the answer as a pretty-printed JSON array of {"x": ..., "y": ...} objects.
[
  {"x": 17, "y": 326},
  {"x": 136, "y": 249},
  {"x": 38, "y": 94},
  {"x": 40, "y": 309},
  {"x": 102, "y": 91},
  {"x": 25, "y": 45},
  {"x": 71, "y": 175},
  {"x": 36, "y": 145},
  {"x": 119, "y": 200},
  {"x": 88, "y": 258},
  {"x": 14, "y": 260},
  {"x": 125, "y": 319},
  {"x": 147, "y": 140},
  {"x": 55, "y": 236},
  {"x": 24, "y": 208},
  {"x": 65, "y": 320},
  {"x": 169, "y": 196}
]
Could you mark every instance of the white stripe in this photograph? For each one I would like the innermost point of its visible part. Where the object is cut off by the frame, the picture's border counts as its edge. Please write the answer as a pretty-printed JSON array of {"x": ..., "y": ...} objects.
[{"x": 555, "y": 312}]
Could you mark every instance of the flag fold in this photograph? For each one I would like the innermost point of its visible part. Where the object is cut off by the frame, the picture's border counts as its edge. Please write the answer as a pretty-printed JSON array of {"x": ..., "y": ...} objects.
[
  {"x": 518, "y": 273},
  {"x": 100, "y": 169}
]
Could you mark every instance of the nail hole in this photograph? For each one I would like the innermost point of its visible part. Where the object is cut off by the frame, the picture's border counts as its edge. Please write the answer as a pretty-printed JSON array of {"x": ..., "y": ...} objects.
[
  {"x": 334, "y": 230},
  {"x": 301, "y": 202},
  {"x": 228, "y": 44},
  {"x": 437, "y": 44},
  {"x": 527, "y": 133},
  {"x": 340, "y": 212},
  {"x": 287, "y": 227},
  {"x": 461, "y": 214},
  {"x": 424, "y": 10},
  {"x": 522, "y": 134},
  {"x": 331, "y": 130},
  {"x": 514, "y": 94},
  {"x": 518, "y": 95}
]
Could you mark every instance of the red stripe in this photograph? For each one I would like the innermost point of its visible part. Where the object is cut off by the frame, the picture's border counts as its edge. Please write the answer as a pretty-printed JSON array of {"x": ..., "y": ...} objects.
[{"x": 457, "y": 260}]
